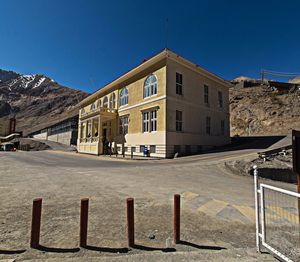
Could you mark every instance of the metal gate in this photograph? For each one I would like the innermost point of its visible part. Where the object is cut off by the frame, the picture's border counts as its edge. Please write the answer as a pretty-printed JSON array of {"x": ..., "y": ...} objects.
[{"x": 277, "y": 220}]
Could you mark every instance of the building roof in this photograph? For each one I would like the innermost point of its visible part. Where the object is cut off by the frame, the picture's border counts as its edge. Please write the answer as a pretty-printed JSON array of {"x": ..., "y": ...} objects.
[{"x": 157, "y": 58}]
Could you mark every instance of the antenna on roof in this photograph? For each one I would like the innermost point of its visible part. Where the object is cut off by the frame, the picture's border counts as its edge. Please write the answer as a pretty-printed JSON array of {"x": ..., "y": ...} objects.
[{"x": 166, "y": 32}]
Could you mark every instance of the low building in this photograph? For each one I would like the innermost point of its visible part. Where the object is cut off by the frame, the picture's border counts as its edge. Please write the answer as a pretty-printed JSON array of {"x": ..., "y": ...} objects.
[
  {"x": 166, "y": 105},
  {"x": 64, "y": 131}
]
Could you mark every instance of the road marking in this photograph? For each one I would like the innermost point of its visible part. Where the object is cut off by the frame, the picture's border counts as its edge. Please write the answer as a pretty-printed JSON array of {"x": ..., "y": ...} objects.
[
  {"x": 248, "y": 212},
  {"x": 284, "y": 214},
  {"x": 189, "y": 195},
  {"x": 212, "y": 207}
]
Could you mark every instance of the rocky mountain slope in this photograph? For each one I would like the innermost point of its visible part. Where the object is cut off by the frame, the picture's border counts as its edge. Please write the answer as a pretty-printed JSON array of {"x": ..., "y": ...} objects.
[
  {"x": 263, "y": 110},
  {"x": 35, "y": 100}
]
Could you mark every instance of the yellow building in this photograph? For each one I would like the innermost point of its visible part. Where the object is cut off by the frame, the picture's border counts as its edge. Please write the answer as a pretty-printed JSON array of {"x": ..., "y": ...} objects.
[{"x": 165, "y": 105}]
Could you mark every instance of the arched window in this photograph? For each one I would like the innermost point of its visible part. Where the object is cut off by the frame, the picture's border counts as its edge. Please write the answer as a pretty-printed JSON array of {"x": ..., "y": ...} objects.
[
  {"x": 105, "y": 102},
  {"x": 124, "y": 96},
  {"x": 99, "y": 103},
  {"x": 93, "y": 106},
  {"x": 112, "y": 100},
  {"x": 150, "y": 86},
  {"x": 82, "y": 111}
]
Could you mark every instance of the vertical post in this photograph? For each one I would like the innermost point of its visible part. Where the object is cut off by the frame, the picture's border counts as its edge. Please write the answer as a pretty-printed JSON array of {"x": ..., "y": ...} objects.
[
  {"x": 36, "y": 223},
  {"x": 262, "y": 212},
  {"x": 255, "y": 175},
  {"x": 296, "y": 160},
  {"x": 130, "y": 222},
  {"x": 84, "y": 210},
  {"x": 176, "y": 218}
]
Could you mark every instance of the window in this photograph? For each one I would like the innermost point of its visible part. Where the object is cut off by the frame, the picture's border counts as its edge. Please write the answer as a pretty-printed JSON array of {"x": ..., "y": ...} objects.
[
  {"x": 178, "y": 121},
  {"x": 105, "y": 102},
  {"x": 222, "y": 127},
  {"x": 99, "y": 103},
  {"x": 206, "y": 99},
  {"x": 113, "y": 100},
  {"x": 153, "y": 119},
  {"x": 123, "y": 125},
  {"x": 124, "y": 96},
  {"x": 146, "y": 122},
  {"x": 220, "y": 99},
  {"x": 150, "y": 86},
  {"x": 82, "y": 111},
  {"x": 93, "y": 106},
  {"x": 142, "y": 148},
  {"x": 178, "y": 83},
  {"x": 152, "y": 149},
  {"x": 208, "y": 128},
  {"x": 150, "y": 121}
]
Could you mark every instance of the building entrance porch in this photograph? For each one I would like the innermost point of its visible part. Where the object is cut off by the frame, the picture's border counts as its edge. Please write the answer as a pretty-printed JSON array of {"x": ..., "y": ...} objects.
[{"x": 97, "y": 132}]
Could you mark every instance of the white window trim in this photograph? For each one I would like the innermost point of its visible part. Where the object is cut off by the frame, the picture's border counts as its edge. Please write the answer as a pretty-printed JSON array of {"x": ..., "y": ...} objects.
[
  {"x": 181, "y": 84},
  {"x": 145, "y": 97}
]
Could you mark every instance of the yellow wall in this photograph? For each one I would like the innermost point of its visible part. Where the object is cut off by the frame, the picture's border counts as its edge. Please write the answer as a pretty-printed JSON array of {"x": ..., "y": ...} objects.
[{"x": 191, "y": 103}]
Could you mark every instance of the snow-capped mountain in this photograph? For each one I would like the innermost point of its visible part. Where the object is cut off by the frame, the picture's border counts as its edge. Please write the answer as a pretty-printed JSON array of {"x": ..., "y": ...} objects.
[{"x": 35, "y": 98}]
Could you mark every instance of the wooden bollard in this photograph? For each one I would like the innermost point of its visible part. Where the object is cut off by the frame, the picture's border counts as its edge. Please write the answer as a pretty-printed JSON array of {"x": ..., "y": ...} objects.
[
  {"x": 36, "y": 223},
  {"x": 130, "y": 222},
  {"x": 84, "y": 210},
  {"x": 176, "y": 218}
]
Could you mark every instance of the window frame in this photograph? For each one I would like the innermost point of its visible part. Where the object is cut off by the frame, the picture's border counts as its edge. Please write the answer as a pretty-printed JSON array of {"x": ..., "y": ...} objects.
[
  {"x": 208, "y": 125},
  {"x": 149, "y": 123},
  {"x": 206, "y": 94},
  {"x": 123, "y": 125},
  {"x": 179, "y": 121},
  {"x": 220, "y": 99},
  {"x": 149, "y": 88},
  {"x": 179, "y": 84},
  {"x": 98, "y": 103},
  {"x": 105, "y": 102},
  {"x": 93, "y": 107},
  {"x": 145, "y": 122},
  {"x": 123, "y": 96}
]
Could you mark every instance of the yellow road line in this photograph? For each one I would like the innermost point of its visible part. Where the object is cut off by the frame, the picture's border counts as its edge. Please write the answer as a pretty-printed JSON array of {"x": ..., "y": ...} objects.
[
  {"x": 283, "y": 214},
  {"x": 189, "y": 195},
  {"x": 248, "y": 212},
  {"x": 213, "y": 207}
]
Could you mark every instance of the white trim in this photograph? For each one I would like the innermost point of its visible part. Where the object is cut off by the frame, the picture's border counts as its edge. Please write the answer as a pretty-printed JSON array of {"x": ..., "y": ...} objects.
[
  {"x": 291, "y": 193},
  {"x": 144, "y": 103}
]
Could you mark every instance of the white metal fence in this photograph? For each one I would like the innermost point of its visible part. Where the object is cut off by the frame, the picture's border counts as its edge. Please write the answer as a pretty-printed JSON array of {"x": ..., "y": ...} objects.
[{"x": 277, "y": 220}]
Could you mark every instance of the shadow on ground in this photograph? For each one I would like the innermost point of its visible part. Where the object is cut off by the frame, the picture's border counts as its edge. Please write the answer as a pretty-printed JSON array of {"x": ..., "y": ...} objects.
[
  {"x": 107, "y": 249},
  {"x": 186, "y": 243},
  {"x": 58, "y": 250},
  {"x": 146, "y": 248},
  {"x": 12, "y": 252}
]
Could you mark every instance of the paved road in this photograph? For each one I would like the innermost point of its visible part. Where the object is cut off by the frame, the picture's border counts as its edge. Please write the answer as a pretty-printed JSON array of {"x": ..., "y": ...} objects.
[
  {"x": 213, "y": 200},
  {"x": 203, "y": 181}
]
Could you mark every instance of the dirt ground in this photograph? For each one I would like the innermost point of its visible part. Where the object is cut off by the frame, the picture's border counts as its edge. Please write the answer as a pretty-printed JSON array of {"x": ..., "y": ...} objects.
[{"x": 213, "y": 226}]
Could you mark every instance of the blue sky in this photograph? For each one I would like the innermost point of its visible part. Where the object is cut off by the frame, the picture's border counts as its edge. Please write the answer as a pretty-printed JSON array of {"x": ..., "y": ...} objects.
[{"x": 85, "y": 44}]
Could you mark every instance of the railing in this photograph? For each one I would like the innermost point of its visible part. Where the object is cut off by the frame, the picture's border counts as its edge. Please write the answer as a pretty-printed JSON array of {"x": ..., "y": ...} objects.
[
  {"x": 89, "y": 140},
  {"x": 277, "y": 220},
  {"x": 100, "y": 110}
]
